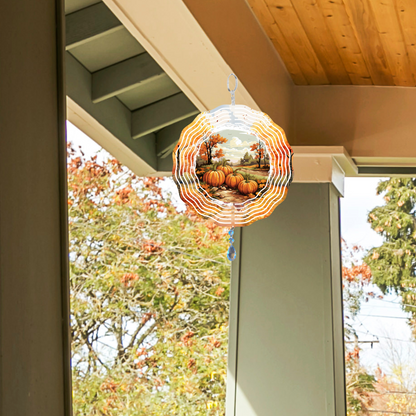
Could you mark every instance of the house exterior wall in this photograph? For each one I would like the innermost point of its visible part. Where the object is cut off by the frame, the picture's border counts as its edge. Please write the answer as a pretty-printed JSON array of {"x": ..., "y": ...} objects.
[{"x": 374, "y": 124}]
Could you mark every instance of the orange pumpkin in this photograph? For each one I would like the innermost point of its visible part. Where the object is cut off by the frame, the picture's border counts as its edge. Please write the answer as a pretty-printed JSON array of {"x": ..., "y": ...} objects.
[
  {"x": 233, "y": 179},
  {"x": 247, "y": 186},
  {"x": 226, "y": 169},
  {"x": 214, "y": 177}
]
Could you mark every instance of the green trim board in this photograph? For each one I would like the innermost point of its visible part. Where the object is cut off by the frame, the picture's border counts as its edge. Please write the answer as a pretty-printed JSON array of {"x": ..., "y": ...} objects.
[{"x": 63, "y": 206}]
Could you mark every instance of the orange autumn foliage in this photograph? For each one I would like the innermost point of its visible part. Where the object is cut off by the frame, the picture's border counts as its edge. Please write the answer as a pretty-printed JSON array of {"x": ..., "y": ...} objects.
[
  {"x": 258, "y": 149},
  {"x": 362, "y": 271},
  {"x": 209, "y": 149}
]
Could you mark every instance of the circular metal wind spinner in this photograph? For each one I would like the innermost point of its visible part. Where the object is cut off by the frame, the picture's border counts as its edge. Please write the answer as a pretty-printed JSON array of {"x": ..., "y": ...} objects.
[{"x": 232, "y": 165}]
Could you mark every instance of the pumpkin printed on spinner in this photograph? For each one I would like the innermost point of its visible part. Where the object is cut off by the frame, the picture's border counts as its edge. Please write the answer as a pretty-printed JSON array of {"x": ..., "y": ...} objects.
[
  {"x": 233, "y": 179},
  {"x": 225, "y": 168},
  {"x": 248, "y": 186},
  {"x": 214, "y": 177}
]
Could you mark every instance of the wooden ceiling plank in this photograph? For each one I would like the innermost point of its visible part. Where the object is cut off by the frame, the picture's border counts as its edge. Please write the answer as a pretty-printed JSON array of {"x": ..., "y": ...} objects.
[
  {"x": 343, "y": 34},
  {"x": 289, "y": 24},
  {"x": 285, "y": 53},
  {"x": 406, "y": 11},
  {"x": 269, "y": 25},
  {"x": 321, "y": 39},
  {"x": 392, "y": 39},
  {"x": 366, "y": 32}
]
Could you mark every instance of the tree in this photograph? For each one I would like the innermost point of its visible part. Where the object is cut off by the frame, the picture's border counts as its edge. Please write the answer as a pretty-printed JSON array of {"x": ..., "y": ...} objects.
[
  {"x": 199, "y": 161},
  {"x": 396, "y": 390},
  {"x": 393, "y": 264},
  {"x": 209, "y": 148},
  {"x": 149, "y": 298},
  {"x": 246, "y": 159},
  {"x": 259, "y": 151},
  {"x": 266, "y": 158},
  {"x": 360, "y": 385},
  {"x": 219, "y": 154},
  {"x": 356, "y": 276}
]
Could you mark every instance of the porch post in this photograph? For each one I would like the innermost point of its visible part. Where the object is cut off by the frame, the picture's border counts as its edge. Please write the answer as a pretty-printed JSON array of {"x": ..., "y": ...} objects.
[
  {"x": 34, "y": 334},
  {"x": 287, "y": 328}
]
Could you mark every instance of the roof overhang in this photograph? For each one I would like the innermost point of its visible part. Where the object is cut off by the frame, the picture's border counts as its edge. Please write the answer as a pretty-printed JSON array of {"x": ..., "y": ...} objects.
[{"x": 192, "y": 46}]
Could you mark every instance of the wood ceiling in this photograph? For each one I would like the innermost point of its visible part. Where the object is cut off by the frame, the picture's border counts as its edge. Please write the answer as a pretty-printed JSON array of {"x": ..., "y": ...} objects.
[{"x": 342, "y": 42}]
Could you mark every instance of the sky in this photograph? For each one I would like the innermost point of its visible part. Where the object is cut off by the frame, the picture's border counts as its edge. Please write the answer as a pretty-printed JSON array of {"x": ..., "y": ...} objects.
[
  {"x": 237, "y": 145},
  {"x": 378, "y": 320}
]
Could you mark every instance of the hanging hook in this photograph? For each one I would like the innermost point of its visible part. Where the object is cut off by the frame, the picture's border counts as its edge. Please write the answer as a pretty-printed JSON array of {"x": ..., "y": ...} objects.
[{"x": 235, "y": 87}]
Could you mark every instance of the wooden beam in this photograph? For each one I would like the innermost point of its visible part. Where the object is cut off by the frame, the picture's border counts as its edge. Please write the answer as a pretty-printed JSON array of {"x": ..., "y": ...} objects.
[
  {"x": 166, "y": 140},
  {"x": 400, "y": 171},
  {"x": 89, "y": 23},
  {"x": 72, "y": 6},
  {"x": 161, "y": 114},
  {"x": 251, "y": 55},
  {"x": 108, "y": 122},
  {"x": 124, "y": 76},
  {"x": 181, "y": 47},
  {"x": 375, "y": 125}
]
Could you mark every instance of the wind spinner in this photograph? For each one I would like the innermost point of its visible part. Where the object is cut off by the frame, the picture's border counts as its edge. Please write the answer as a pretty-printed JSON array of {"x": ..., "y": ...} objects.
[{"x": 232, "y": 165}]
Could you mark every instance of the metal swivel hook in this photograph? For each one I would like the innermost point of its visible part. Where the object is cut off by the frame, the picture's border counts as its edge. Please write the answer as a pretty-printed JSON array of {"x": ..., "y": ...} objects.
[{"x": 235, "y": 87}]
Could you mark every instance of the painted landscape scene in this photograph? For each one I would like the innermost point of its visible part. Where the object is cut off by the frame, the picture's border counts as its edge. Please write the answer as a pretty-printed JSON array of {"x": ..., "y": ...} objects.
[{"x": 233, "y": 166}]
